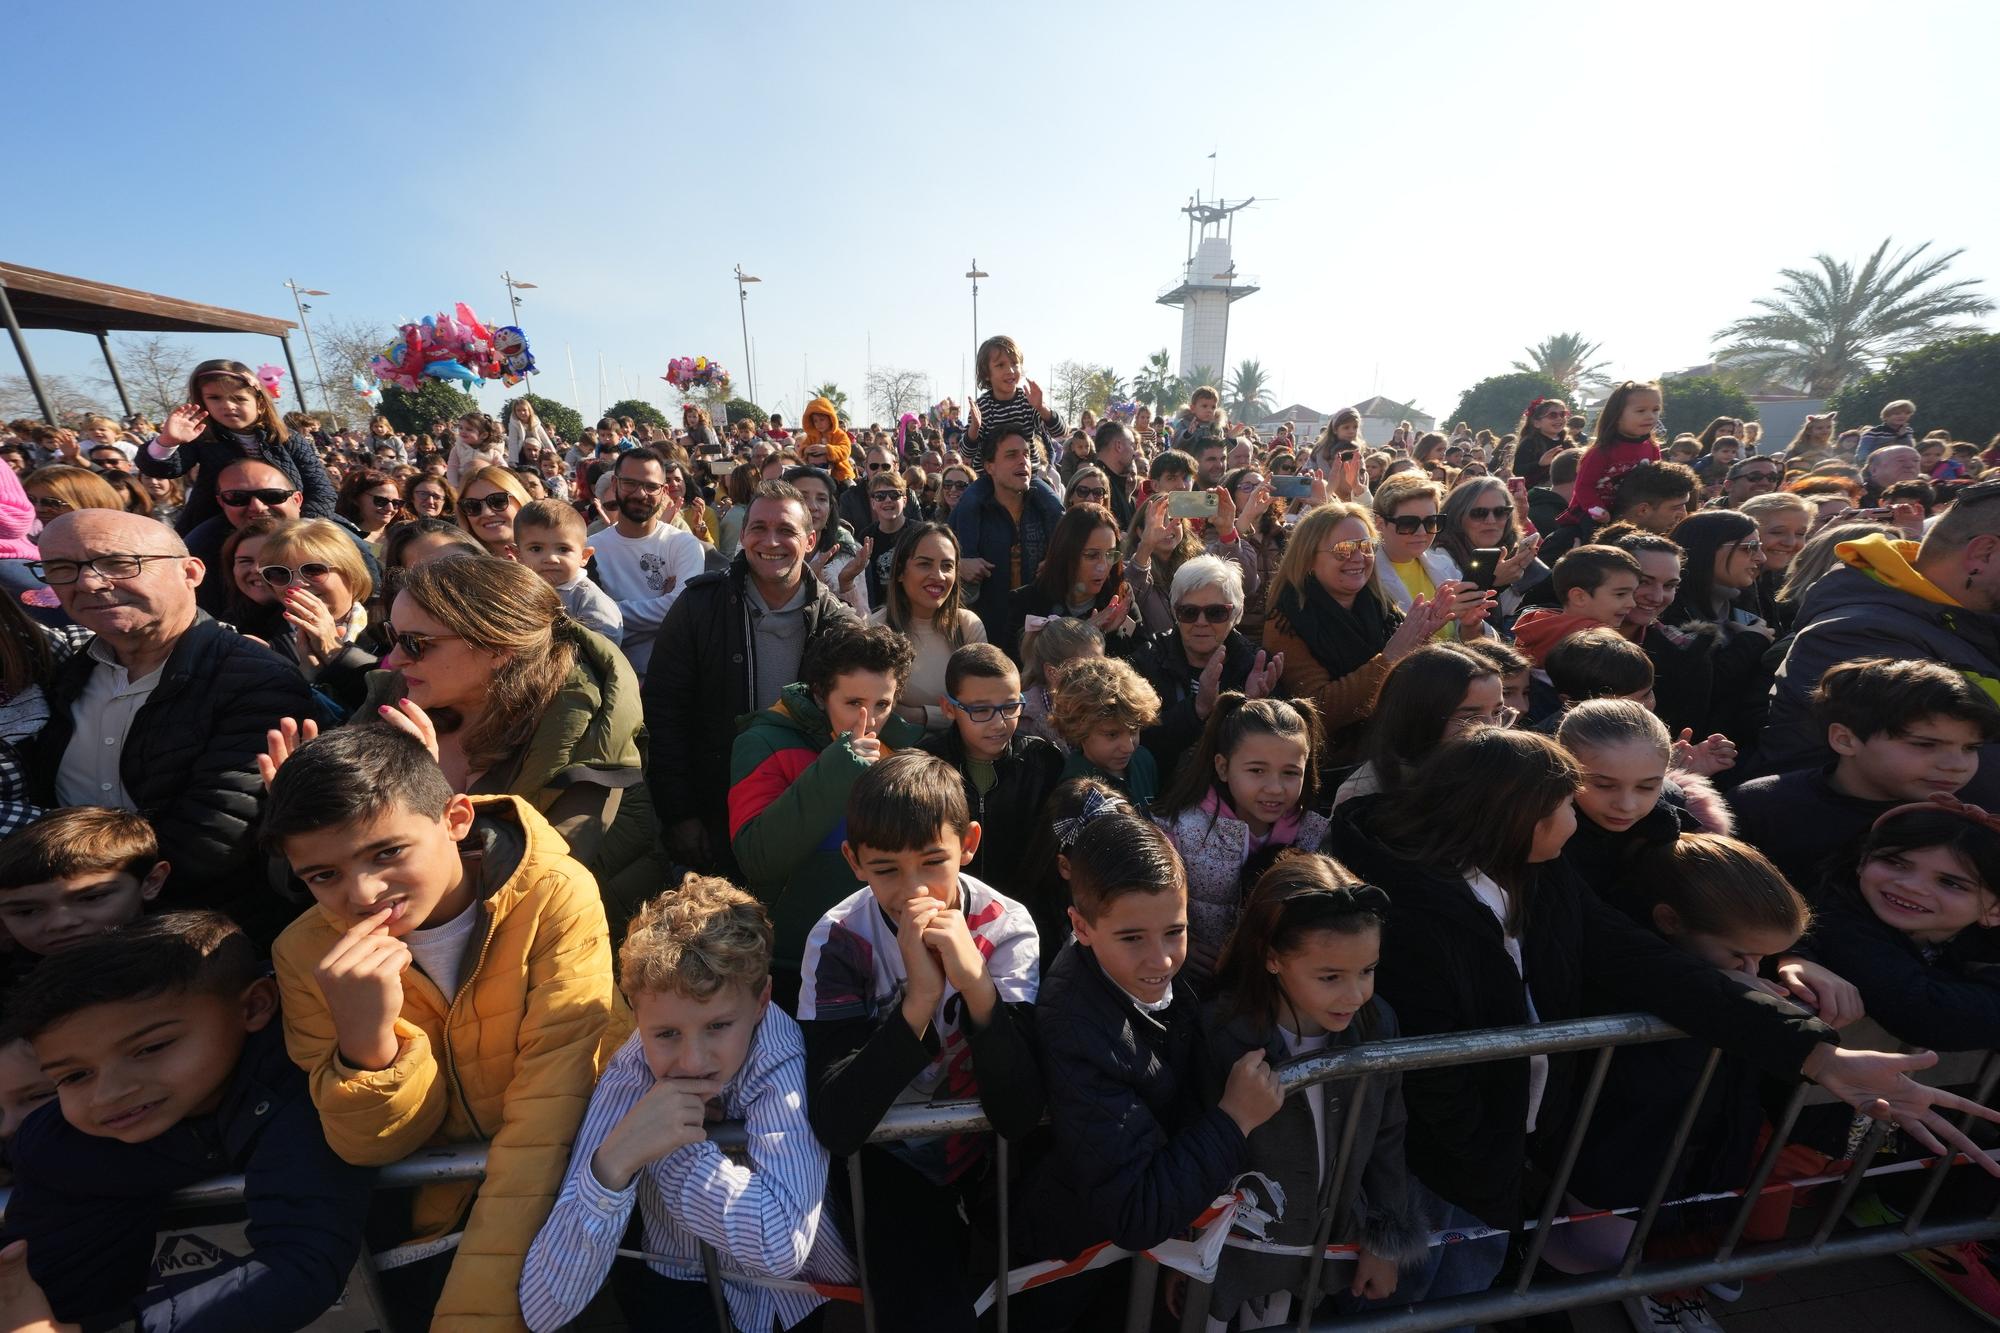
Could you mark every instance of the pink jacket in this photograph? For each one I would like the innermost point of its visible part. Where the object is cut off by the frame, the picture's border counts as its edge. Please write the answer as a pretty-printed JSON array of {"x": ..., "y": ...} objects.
[{"x": 17, "y": 518}]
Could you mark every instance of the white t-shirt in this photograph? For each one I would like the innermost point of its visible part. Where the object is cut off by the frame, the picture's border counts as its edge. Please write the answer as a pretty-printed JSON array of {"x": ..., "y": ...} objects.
[
  {"x": 1495, "y": 899},
  {"x": 644, "y": 575},
  {"x": 440, "y": 950},
  {"x": 1296, "y": 1046}
]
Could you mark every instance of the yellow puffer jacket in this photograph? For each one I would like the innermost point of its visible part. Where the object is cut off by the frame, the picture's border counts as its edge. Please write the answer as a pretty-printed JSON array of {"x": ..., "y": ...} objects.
[{"x": 511, "y": 1060}]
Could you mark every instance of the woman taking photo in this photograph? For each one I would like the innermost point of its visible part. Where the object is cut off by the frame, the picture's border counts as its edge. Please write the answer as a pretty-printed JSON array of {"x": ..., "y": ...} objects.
[
  {"x": 1081, "y": 578},
  {"x": 371, "y": 501},
  {"x": 1480, "y": 514},
  {"x": 491, "y": 498},
  {"x": 321, "y": 589},
  {"x": 925, "y": 604},
  {"x": 1204, "y": 656},
  {"x": 1335, "y": 627},
  {"x": 1262, "y": 539}
]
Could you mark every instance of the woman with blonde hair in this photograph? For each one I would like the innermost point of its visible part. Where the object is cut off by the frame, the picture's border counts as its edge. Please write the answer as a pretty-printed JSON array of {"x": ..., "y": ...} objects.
[
  {"x": 57, "y": 488},
  {"x": 525, "y": 430},
  {"x": 1339, "y": 631},
  {"x": 487, "y": 505},
  {"x": 320, "y": 623}
]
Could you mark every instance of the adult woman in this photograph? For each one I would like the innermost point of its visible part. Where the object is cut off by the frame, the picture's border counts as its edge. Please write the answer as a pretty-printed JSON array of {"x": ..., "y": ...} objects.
[
  {"x": 1088, "y": 485},
  {"x": 1715, "y": 430},
  {"x": 525, "y": 430},
  {"x": 425, "y": 496},
  {"x": 1782, "y": 524},
  {"x": 837, "y": 547},
  {"x": 1262, "y": 538},
  {"x": 1446, "y": 968},
  {"x": 925, "y": 603},
  {"x": 370, "y": 501},
  {"x": 251, "y": 603},
  {"x": 1724, "y": 558},
  {"x": 478, "y": 445},
  {"x": 133, "y": 497},
  {"x": 1428, "y": 454},
  {"x": 1338, "y": 632},
  {"x": 57, "y": 488},
  {"x": 517, "y": 698},
  {"x": 953, "y": 482},
  {"x": 1820, "y": 554},
  {"x": 487, "y": 504},
  {"x": 736, "y": 487},
  {"x": 167, "y": 496},
  {"x": 1540, "y": 437},
  {"x": 322, "y": 590},
  {"x": 1830, "y": 496},
  {"x": 1081, "y": 577},
  {"x": 1408, "y": 561},
  {"x": 1203, "y": 656},
  {"x": 1161, "y": 543},
  {"x": 1479, "y": 514}
]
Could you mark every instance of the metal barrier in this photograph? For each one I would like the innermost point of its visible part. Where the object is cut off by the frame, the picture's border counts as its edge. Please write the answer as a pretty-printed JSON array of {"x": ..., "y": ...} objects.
[{"x": 1521, "y": 1297}]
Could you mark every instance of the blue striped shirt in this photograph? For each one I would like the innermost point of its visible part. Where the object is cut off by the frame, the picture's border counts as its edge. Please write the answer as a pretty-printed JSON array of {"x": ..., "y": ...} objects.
[{"x": 763, "y": 1219}]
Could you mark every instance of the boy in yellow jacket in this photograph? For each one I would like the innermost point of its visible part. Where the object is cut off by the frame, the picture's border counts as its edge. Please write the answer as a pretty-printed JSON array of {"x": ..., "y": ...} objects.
[{"x": 453, "y": 985}]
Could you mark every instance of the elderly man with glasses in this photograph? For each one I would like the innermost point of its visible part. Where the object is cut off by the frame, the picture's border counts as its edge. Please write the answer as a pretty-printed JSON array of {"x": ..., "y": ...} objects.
[{"x": 164, "y": 710}]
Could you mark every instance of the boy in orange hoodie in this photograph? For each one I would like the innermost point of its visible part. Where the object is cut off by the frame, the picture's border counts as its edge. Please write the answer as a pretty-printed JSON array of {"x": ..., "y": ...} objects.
[
  {"x": 1595, "y": 585},
  {"x": 821, "y": 430}
]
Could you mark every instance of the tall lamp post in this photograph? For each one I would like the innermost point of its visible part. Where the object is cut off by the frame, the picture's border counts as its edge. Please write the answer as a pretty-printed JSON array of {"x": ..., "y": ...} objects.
[
  {"x": 514, "y": 304},
  {"x": 304, "y": 327},
  {"x": 975, "y": 274},
  {"x": 743, "y": 317}
]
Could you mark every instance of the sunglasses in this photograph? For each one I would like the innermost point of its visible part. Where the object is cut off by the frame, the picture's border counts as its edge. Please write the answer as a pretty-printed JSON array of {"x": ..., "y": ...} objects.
[
  {"x": 495, "y": 503},
  {"x": 388, "y": 504},
  {"x": 1409, "y": 524},
  {"x": 987, "y": 712},
  {"x": 880, "y": 467},
  {"x": 1757, "y": 476},
  {"x": 413, "y": 645},
  {"x": 956, "y": 485},
  {"x": 278, "y": 576},
  {"x": 1482, "y": 513},
  {"x": 880, "y": 496},
  {"x": 1214, "y": 615},
  {"x": 270, "y": 499},
  {"x": 1345, "y": 551},
  {"x": 1088, "y": 493}
]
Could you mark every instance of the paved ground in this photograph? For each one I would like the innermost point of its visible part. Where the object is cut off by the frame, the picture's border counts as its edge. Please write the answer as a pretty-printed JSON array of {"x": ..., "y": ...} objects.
[{"x": 1882, "y": 1295}]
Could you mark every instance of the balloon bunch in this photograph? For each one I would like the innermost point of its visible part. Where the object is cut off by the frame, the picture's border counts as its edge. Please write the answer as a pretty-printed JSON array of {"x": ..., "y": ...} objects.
[
  {"x": 454, "y": 346},
  {"x": 1124, "y": 409},
  {"x": 364, "y": 387},
  {"x": 273, "y": 379},
  {"x": 692, "y": 373}
]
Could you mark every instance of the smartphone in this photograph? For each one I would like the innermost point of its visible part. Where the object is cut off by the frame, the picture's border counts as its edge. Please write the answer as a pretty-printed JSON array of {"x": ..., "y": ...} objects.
[
  {"x": 1483, "y": 565},
  {"x": 1292, "y": 487},
  {"x": 1884, "y": 515},
  {"x": 1191, "y": 504},
  {"x": 1345, "y": 454},
  {"x": 722, "y": 467}
]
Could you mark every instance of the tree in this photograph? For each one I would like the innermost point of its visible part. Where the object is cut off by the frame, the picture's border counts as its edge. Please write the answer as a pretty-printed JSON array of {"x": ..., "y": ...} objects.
[
  {"x": 68, "y": 399},
  {"x": 1496, "y": 402},
  {"x": 434, "y": 401},
  {"x": 155, "y": 370},
  {"x": 892, "y": 392},
  {"x": 1249, "y": 391},
  {"x": 1695, "y": 400},
  {"x": 740, "y": 409},
  {"x": 1565, "y": 358},
  {"x": 345, "y": 347},
  {"x": 1824, "y": 327},
  {"x": 834, "y": 394},
  {"x": 1069, "y": 385},
  {"x": 563, "y": 421},
  {"x": 639, "y": 410},
  {"x": 1199, "y": 377},
  {"x": 1156, "y": 385},
  {"x": 1106, "y": 387},
  {"x": 1955, "y": 385}
]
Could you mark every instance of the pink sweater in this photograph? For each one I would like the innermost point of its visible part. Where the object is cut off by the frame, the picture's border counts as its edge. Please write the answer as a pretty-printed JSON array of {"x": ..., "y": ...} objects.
[
  {"x": 17, "y": 518},
  {"x": 1598, "y": 473}
]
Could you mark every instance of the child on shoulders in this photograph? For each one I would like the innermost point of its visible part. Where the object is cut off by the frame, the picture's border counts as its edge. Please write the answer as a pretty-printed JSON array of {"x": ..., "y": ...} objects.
[{"x": 229, "y": 415}]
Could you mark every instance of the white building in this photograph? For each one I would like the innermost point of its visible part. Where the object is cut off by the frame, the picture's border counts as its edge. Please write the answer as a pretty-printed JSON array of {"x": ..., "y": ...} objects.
[
  {"x": 1380, "y": 416},
  {"x": 1209, "y": 284}
]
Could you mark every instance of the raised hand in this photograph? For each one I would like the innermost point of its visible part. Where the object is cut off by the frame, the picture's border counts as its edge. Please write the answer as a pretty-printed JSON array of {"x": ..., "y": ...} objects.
[
  {"x": 1879, "y": 1085},
  {"x": 1210, "y": 684},
  {"x": 1112, "y": 615},
  {"x": 409, "y": 718},
  {"x": 1254, "y": 508},
  {"x": 281, "y": 743},
  {"x": 671, "y": 1115},
  {"x": 1511, "y": 567},
  {"x": 1265, "y": 675},
  {"x": 362, "y": 980},
  {"x": 1424, "y": 618},
  {"x": 854, "y": 567},
  {"x": 1708, "y": 758},
  {"x": 867, "y": 746},
  {"x": 1225, "y": 512},
  {"x": 183, "y": 425},
  {"x": 1035, "y": 399}
]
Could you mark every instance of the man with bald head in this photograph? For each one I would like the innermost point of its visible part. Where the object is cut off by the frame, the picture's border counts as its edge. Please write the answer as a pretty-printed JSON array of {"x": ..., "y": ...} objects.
[{"x": 164, "y": 710}]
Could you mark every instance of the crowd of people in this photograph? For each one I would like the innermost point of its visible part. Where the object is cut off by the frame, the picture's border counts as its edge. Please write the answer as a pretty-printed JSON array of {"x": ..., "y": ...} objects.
[{"x": 362, "y": 792}]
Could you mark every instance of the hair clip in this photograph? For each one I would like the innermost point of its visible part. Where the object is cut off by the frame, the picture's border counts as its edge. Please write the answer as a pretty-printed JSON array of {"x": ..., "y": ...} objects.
[
  {"x": 1945, "y": 802},
  {"x": 1096, "y": 803},
  {"x": 1348, "y": 898},
  {"x": 1033, "y": 624}
]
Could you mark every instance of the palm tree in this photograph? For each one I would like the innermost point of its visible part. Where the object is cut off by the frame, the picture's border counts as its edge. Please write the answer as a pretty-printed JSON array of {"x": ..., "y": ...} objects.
[
  {"x": 1156, "y": 384},
  {"x": 1249, "y": 391},
  {"x": 1105, "y": 387},
  {"x": 1826, "y": 326},
  {"x": 833, "y": 394},
  {"x": 1565, "y": 358},
  {"x": 1185, "y": 386}
]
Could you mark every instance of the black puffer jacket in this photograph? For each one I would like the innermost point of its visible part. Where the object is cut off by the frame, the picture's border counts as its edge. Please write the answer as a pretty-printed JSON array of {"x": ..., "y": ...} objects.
[
  {"x": 190, "y": 759},
  {"x": 697, "y": 686},
  {"x": 1163, "y": 662},
  {"x": 1138, "y": 1153},
  {"x": 1009, "y": 814}
]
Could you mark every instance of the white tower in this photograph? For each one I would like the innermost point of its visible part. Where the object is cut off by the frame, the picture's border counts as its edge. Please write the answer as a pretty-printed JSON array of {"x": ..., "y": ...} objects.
[{"x": 1208, "y": 286}]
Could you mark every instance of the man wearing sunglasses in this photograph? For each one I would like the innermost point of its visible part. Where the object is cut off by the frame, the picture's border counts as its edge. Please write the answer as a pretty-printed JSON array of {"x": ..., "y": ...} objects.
[
  {"x": 164, "y": 710},
  {"x": 248, "y": 489}
]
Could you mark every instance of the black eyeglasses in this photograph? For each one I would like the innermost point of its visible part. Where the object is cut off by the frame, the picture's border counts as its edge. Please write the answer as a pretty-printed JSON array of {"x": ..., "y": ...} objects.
[
  {"x": 414, "y": 645},
  {"x": 1088, "y": 493},
  {"x": 879, "y": 496},
  {"x": 388, "y": 504},
  {"x": 641, "y": 487},
  {"x": 1482, "y": 513},
  {"x": 278, "y": 576},
  {"x": 112, "y": 568},
  {"x": 987, "y": 712},
  {"x": 269, "y": 498},
  {"x": 1408, "y": 525},
  {"x": 1214, "y": 615},
  {"x": 495, "y": 503}
]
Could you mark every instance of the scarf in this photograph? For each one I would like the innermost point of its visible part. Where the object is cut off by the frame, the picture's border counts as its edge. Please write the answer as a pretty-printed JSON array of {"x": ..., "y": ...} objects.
[{"x": 1340, "y": 639}]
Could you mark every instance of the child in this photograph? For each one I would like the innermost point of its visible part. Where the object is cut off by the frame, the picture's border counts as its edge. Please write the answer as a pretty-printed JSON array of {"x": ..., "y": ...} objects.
[
  {"x": 163, "y": 1042},
  {"x": 793, "y": 766},
  {"x": 1298, "y": 979},
  {"x": 1205, "y": 421},
  {"x": 1893, "y": 429},
  {"x": 1046, "y": 652},
  {"x": 918, "y": 986},
  {"x": 1435, "y": 693},
  {"x": 1251, "y": 783},
  {"x": 229, "y": 415},
  {"x": 1624, "y": 440},
  {"x": 1594, "y": 586},
  {"x": 1599, "y": 664},
  {"x": 1628, "y": 798},
  {"x": 453, "y": 985},
  {"x": 1899, "y": 731},
  {"x": 1103, "y": 706},
  {"x": 23, "y": 1088},
  {"x": 554, "y": 542},
  {"x": 479, "y": 445},
  {"x": 1514, "y": 668},
  {"x": 1008, "y": 404},
  {"x": 1008, "y": 776},
  {"x": 696, "y": 966},
  {"x": 75, "y": 873},
  {"x": 821, "y": 431},
  {"x": 1139, "y": 1149}
]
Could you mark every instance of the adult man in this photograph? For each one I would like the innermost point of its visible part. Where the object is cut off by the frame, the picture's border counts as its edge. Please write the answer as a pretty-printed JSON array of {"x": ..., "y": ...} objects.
[
  {"x": 164, "y": 711},
  {"x": 247, "y": 489},
  {"x": 1003, "y": 521},
  {"x": 852, "y": 505},
  {"x": 643, "y": 560},
  {"x": 110, "y": 458},
  {"x": 728, "y": 645},
  {"x": 1115, "y": 450},
  {"x": 1887, "y": 466},
  {"x": 1755, "y": 475},
  {"x": 1210, "y": 459},
  {"x": 1654, "y": 496}
]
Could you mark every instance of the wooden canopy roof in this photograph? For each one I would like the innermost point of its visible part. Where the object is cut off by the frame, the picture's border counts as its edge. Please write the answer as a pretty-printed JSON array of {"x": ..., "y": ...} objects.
[{"x": 44, "y": 300}]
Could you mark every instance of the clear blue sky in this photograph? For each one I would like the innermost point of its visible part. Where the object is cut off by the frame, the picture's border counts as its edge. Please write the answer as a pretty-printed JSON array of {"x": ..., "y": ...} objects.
[{"x": 1447, "y": 182}]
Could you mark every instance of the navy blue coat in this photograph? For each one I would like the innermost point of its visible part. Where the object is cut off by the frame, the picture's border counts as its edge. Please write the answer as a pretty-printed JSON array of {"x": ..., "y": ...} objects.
[
  {"x": 986, "y": 531},
  {"x": 89, "y": 1209},
  {"x": 217, "y": 448}
]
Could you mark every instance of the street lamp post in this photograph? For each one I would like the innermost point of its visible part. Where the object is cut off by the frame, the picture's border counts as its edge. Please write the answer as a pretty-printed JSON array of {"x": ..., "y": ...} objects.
[
  {"x": 743, "y": 318},
  {"x": 514, "y": 304},
  {"x": 975, "y": 275},
  {"x": 305, "y": 328}
]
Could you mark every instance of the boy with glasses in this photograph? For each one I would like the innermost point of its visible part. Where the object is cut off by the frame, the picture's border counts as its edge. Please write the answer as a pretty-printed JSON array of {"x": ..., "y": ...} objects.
[{"x": 1008, "y": 776}]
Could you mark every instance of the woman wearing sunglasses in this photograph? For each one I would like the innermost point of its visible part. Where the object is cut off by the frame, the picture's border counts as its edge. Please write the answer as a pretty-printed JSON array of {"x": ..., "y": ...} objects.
[
  {"x": 370, "y": 501},
  {"x": 319, "y": 589},
  {"x": 487, "y": 506},
  {"x": 1406, "y": 514},
  {"x": 1203, "y": 656},
  {"x": 1337, "y": 630},
  {"x": 1483, "y": 514}
]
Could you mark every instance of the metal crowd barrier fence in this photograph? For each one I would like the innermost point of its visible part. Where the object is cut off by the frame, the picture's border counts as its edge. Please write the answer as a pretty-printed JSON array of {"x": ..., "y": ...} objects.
[{"x": 1510, "y": 1298}]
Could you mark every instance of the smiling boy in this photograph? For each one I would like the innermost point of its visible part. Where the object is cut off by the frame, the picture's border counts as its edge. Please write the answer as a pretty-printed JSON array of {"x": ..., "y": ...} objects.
[{"x": 1008, "y": 777}]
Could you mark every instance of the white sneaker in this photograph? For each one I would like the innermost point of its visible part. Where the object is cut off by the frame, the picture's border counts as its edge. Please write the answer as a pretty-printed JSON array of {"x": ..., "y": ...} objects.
[
  {"x": 1651, "y": 1314},
  {"x": 1725, "y": 1291},
  {"x": 1694, "y": 1316}
]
